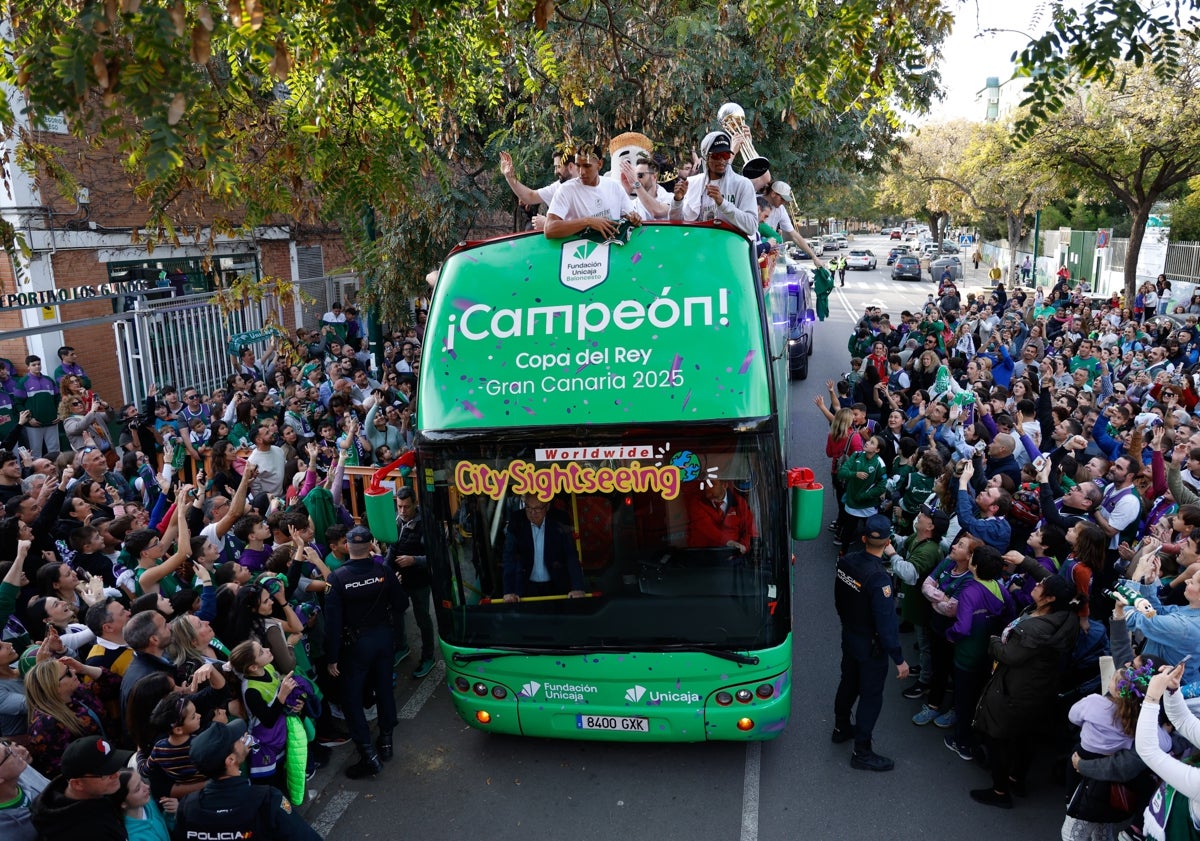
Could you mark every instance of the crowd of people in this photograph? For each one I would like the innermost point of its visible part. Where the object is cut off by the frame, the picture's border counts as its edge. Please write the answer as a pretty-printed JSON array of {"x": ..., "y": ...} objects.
[
  {"x": 181, "y": 580},
  {"x": 1022, "y": 474}
]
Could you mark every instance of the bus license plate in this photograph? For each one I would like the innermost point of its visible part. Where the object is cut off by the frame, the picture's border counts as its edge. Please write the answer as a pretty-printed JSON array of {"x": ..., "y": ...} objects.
[{"x": 620, "y": 724}]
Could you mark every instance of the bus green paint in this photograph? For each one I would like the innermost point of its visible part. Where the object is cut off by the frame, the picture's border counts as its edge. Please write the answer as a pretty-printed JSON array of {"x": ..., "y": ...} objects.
[{"x": 617, "y": 379}]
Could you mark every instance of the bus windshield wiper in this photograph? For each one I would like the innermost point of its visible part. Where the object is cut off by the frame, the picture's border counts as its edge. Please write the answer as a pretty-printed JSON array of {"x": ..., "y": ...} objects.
[{"x": 743, "y": 659}]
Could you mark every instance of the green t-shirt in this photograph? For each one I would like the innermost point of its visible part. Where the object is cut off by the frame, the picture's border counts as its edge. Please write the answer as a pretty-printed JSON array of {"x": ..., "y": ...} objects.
[
  {"x": 166, "y": 585},
  {"x": 1092, "y": 364}
]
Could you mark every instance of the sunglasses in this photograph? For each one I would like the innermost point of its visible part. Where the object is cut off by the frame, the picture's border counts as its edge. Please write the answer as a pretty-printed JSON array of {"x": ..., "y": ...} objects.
[
  {"x": 69, "y": 673},
  {"x": 720, "y": 156}
]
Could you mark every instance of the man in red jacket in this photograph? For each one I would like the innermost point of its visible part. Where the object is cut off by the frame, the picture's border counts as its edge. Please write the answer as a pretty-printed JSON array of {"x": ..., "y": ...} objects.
[{"x": 719, "y": 516}]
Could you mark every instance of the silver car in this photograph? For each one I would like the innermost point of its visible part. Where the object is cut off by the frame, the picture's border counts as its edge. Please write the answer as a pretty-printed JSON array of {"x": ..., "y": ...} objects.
[{"x": 951, "y": 262}]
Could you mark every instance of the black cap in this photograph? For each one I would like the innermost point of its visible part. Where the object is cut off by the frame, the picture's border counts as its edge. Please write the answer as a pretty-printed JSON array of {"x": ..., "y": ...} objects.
[
  {"x": 359, "y": 536},
  {"x": 877, "y": 527},
  {"x": 941, "y": 520},
  {"x": 715, "y": 141},
  {"x": 92, "y": 756},
  {"x": 211, "y": 747}
]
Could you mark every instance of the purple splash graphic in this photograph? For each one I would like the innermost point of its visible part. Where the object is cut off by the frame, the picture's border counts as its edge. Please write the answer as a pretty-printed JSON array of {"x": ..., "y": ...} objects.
[
  {"x": 462, "y": 304},
  {"x": 473, "y": 409},
  {"x": 636, "y": 258},
  {"x": 529, "y": 410},
  {"x": 686, "y": 399},
  {"x": 746, "y": 362},
  {"x": 676, "y": 364}
]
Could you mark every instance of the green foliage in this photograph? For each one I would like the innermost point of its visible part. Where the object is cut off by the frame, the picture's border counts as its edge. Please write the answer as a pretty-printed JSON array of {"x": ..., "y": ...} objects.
[
  {"x": 1136, "y": 142},
  {"x": 304, "y": 111},
  {"x": 1095, "y": 44}
]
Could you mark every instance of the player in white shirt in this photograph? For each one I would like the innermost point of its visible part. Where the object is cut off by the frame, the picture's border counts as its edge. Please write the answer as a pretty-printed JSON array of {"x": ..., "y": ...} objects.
[
  {"x": 589, "y": 201},
  {"x": 778, "y": 194},
  {"x": 564, "y": 168}
]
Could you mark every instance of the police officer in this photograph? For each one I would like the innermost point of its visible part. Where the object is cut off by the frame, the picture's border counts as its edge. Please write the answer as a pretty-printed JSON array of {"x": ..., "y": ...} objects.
[
  {"x": 863, "y": 596},
  {"x": 364, "y": 598},
  {"x": 407, "y": 557},
  {"x": 229, "y": 806}
]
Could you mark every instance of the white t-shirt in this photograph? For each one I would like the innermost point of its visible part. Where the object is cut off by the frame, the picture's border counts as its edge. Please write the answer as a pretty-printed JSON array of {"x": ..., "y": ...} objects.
[
  {"x": 1123, "y": 514},
  {"x": 332, "y": 318},
  {"x": 780, "y": 220},
  {"x": 270, "y": 465},
  {"x": 575, "y": 200},
  {"x": 547, "y": 193},
  {"x": 662, "y": 195}
]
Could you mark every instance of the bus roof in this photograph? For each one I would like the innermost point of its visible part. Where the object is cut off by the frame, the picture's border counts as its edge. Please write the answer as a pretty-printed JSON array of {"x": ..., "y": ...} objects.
[{"x": 528, "y": 331}]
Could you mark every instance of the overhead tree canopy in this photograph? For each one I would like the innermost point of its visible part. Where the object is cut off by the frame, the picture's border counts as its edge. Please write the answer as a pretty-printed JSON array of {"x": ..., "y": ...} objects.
[
  {"x": 1095, "y": 42},
  {"x": 311, "y": 110},
  {"x": 1134, "y": 139}
]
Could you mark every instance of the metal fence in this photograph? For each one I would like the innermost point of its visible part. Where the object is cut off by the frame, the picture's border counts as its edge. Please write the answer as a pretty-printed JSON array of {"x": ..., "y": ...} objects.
[
  {"x": 181, "y": 341},
  {"x": 323, "y": 291}
]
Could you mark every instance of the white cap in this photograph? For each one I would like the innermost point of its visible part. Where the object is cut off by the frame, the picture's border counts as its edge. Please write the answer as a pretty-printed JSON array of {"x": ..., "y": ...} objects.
[{"x": 782, "y": 189}]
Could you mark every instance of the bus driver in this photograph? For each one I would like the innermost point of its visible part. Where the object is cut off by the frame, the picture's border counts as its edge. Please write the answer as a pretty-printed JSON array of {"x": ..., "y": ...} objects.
[
  {"x": 719, "y": 516},
  {"x": 539, "y": 556}
]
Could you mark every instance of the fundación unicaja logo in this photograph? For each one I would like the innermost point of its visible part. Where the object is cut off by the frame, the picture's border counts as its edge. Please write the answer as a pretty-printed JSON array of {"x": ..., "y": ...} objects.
[
  {"x": 584, "y": 264},
  {"x": 634, "y": 694},
  {"x": 530, "y": 689}
]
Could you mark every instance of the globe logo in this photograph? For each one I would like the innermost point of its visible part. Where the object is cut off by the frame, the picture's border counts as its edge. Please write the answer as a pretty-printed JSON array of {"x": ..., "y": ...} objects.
[{"x": 688, "y": 464}]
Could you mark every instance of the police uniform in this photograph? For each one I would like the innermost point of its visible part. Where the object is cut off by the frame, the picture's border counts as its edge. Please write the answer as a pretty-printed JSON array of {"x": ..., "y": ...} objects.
[
  {"x": 233, "y": 809},
  {"x": 362, "y": 602},
  {"x": 870, "y": 635}
]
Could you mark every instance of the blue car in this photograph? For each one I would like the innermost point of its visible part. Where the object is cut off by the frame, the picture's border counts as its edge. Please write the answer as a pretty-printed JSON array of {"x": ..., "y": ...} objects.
[{"x": 906, "y": 267}]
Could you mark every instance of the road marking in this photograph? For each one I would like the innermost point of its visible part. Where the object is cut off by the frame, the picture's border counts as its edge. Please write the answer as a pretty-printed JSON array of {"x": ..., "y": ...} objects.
[
  {"x": 333, "y": 811},
  {"x": 750, "y": 792},
  {"x": 842, "y": 297},
  {"x": 431, "y": 682}
]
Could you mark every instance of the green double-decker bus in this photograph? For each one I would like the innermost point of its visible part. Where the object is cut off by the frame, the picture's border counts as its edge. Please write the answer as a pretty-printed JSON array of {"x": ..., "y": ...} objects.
[{"x": 612, "y": 392}]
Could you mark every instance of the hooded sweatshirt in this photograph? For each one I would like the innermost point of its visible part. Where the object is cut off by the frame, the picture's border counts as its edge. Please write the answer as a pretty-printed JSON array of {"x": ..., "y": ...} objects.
[{"x": 60, "y": 818}]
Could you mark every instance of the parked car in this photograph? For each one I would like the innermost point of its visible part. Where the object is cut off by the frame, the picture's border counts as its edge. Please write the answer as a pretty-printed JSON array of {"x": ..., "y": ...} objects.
[
  {"x": 829, "y": 244},
  {"x": 949, "y": 247},
  {"x": 842, "y": 241},
  {"x": 907, "y": 267},
  {"x": 897, "y": 251},
  {"x": 896, "y": 233},
  {"x": 795, "y": 252},
  {"x": 951, "y": 262},
  {"x": 861, "y": 258}
]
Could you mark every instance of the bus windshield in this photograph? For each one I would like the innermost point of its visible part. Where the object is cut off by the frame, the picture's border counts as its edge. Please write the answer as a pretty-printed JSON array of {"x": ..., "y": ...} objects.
[{"x": 646, "y": 543}]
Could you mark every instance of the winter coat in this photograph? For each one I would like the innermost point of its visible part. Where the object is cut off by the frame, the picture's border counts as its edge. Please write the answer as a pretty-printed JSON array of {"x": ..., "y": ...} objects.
[{"x": 1029, "y": 656}]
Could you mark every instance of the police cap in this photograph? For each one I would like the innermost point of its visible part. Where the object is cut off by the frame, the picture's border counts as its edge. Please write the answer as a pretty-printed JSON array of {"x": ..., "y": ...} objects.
[{"x": 211, "y": 747}]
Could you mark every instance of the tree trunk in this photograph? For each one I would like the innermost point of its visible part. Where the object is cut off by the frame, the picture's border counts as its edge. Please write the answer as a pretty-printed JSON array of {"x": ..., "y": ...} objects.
[
  {"x": 1141, "y": 215},
  {"x": 1013, "y": 221}
]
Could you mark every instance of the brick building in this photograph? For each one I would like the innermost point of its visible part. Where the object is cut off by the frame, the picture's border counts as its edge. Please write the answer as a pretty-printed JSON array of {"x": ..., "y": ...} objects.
[{"x": 97, "y": 238}]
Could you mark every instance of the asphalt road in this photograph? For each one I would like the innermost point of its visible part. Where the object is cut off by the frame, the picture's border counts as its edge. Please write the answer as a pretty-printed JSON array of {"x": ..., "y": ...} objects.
[{"x": 448, "y": 780}]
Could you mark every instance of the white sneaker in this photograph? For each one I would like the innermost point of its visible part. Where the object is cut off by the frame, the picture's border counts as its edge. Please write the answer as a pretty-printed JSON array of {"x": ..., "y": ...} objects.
[{"x": 371, "y": 713}]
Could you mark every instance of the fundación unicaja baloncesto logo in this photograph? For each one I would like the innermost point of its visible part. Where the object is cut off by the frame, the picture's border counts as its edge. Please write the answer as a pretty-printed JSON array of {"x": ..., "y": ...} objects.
[
  {"x": 584, "y": 264},
  {"x": 634, "y": 693},
  {"x": 530, "y": 689}
]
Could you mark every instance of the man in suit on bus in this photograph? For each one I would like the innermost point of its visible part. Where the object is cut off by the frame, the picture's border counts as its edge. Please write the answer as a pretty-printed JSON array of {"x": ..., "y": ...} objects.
[{"x": 540, "y": 558}]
